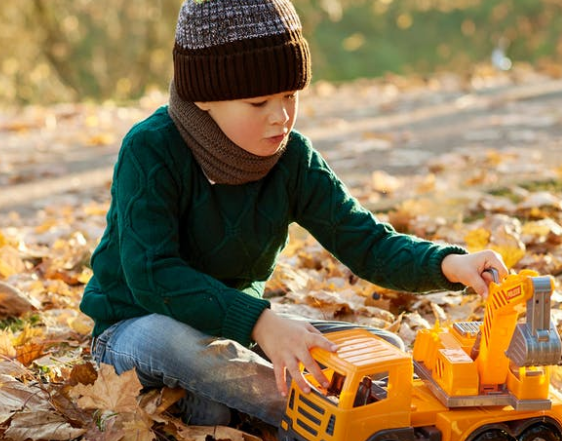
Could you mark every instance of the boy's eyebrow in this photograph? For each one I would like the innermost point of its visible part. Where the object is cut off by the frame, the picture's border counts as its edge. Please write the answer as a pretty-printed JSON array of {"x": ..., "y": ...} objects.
[{"x": 266, "y": 97}]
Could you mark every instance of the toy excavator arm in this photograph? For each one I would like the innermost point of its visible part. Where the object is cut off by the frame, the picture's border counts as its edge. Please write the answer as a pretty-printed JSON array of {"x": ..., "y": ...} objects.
[
  {"x": 536, "y": 342},
  {"x": 532, "y": 343}
]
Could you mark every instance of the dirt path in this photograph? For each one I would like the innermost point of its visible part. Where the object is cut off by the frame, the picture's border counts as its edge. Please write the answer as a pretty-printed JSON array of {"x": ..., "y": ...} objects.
[{"x": 49, "y": 153}]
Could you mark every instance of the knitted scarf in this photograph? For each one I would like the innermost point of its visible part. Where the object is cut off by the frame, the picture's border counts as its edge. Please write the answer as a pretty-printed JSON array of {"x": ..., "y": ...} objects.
[{"x": 222, "y": 161}]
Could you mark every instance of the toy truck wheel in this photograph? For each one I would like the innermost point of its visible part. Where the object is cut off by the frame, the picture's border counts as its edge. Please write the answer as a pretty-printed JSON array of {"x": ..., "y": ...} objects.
[
  {"x": 540, "y": 432},
  {"x": 493, "y": 435}
]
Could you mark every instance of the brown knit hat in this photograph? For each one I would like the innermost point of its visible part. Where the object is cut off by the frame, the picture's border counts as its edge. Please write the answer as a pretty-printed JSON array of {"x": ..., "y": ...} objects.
[{"x": 232, "y": 49}]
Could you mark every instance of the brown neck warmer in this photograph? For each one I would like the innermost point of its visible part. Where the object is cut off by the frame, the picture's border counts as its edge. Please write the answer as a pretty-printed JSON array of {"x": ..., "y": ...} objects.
[{"x": 222, "y": 161}]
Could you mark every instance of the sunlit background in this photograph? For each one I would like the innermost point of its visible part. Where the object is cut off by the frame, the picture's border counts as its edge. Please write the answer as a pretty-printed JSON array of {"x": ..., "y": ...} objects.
[{"x": 76, "y": 50}]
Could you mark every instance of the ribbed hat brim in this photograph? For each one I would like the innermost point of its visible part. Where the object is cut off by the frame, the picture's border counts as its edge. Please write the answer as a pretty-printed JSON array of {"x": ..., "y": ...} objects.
[{"x": 243, "y": 69}]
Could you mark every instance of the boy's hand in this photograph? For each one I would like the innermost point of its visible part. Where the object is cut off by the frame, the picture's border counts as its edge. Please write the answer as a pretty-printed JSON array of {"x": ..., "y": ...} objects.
[
  {"x": 288, "y": 342},
  {"x": 469, "y": 269}
]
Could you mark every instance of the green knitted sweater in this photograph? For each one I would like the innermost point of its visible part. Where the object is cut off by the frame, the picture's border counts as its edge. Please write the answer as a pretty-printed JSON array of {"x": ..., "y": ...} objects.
[{"x": 176, "y": 244}]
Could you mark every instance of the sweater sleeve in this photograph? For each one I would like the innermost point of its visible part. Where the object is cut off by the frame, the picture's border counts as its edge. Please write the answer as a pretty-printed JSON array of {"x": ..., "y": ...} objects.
[
  {"x": 148, "y": 186},
  {"x": 373, "y": 250}
]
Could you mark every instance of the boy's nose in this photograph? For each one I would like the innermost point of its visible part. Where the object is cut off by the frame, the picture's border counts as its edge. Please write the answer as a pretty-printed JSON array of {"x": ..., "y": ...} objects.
[{"x": 279, "y": 115}]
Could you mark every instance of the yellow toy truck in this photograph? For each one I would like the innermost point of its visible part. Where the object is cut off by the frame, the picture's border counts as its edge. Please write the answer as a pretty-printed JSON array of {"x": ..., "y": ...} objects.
[{"x": 472, "y": 381}]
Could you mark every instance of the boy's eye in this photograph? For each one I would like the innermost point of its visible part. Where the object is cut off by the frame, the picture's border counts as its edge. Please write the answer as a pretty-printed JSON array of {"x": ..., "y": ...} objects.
[{"x": 258, "y": 103}]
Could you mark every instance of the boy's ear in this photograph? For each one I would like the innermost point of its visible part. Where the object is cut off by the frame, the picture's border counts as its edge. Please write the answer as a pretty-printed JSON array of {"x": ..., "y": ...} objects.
[{"x": 203, "y": 105}]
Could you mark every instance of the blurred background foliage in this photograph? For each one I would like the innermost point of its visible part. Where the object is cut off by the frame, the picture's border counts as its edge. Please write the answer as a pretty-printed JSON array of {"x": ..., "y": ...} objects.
[{"x": 76, "y": 50}]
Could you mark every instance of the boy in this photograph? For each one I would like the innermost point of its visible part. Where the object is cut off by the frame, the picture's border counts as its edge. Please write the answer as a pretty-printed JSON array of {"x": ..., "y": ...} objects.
[{"x": 203, "y": 194}]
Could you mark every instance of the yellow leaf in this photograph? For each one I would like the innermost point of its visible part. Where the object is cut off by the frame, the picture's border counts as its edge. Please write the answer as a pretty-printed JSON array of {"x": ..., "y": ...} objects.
[
  {"x": 7, "y": 348},
  {"x": 539, "y": 229},
  {"x": 27, "y": 334},
  {"x": 96, "y": 209},
  {"x": 477, "y": 240},
  {"x": 101, "y": 139},
  {"x": 383, "y": 182},
  {"x": 28, "y": 352},
  {"x": 85, "y": 276},
  {"x": 511, "y": 254},
  {"x": 81, "y": 324},
  {"x": 10, "y": 261},
  {"x": 46, "y": 226}
]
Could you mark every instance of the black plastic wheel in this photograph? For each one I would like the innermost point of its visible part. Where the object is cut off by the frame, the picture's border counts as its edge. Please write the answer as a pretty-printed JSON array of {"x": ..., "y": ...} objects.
[
  {"x": 541, "y": 432},
  {"x": 493, "y": 435}
]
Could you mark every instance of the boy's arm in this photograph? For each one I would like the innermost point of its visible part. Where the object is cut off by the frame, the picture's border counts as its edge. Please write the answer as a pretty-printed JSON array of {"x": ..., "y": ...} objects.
[{"x": 373, "y": 250}]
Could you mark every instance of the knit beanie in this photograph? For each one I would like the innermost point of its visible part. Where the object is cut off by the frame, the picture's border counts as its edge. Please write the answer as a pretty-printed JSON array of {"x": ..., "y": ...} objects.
[{"x": 232, "y": 49}]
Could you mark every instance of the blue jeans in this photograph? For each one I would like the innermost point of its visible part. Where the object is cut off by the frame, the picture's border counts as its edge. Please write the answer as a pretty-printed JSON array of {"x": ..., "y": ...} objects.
[{"x": 166, "y": 352}]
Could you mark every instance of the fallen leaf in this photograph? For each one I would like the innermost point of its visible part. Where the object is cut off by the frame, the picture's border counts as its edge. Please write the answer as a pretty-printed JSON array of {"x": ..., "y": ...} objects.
[
  {"x": 17, "y": 397},
  {"x": 13, "y": 303},
  {"x": 477, "y": 239},
  {"x": 41, "y": 425},
  {"x": 82, "y": 324},
  {"x": 383, "y": 182},
  {"x": 7, "y": 348},
  {"x": 110, "y": 392},
  {"x": 138, "y": 430},
  {"x": 84, "y": 373},
  {"x": 157, "y": 401},
  {"x": 10, "y": 261},
  {"x": 29, "y": 352}
]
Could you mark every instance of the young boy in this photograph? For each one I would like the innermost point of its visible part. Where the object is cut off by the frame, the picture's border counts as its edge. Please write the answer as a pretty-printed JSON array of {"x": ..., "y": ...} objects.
[{"x": 203, "y": 194}]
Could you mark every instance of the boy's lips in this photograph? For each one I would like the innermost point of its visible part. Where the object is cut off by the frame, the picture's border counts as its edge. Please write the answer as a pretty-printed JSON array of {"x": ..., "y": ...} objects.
[{"x": 277, "y": 138}]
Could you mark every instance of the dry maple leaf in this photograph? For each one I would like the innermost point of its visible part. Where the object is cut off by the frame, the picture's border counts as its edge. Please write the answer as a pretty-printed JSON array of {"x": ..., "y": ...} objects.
[
  {"x": 16, "y": 397},
  {"x": 41, "y": 425},
  {"x": 13, "y": 303},
  {"x": 157, "y": 401},
  {"x": 84, "y": 373},
  {"x": 111, "y": 431},
  {"x": 110, "y": 392},
  {"x": 138, "y": 430},
  {"x": 29, "y": 352}
]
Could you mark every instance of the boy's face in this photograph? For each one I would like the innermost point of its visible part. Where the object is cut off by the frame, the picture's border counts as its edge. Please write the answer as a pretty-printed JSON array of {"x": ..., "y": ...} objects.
[{"x": 258, "y": 125}]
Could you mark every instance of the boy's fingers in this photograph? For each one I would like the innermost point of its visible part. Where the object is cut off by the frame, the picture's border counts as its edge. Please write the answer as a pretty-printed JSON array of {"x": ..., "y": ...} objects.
[
  {"x": 317, "y": 373},
  {"x": 320, "y": 341},
  {"x": 298, "y": 377},
  {"x": 480, "y": 287},
  {"x": 279, "y": 372}
]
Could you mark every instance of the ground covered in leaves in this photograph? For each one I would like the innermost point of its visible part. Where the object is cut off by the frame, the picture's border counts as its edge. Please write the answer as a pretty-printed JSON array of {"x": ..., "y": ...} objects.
[{"x": 498, "y": 185}]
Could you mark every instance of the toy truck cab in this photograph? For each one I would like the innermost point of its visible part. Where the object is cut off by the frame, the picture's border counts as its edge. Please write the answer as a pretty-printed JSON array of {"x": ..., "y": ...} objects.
[{"x": 368, "y": 376}]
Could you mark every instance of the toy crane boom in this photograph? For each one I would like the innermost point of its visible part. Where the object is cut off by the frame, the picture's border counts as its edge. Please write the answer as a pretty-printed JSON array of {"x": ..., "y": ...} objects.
[
  {"x": 503, "y": 341},
  {"x": 498, "y": 361}
]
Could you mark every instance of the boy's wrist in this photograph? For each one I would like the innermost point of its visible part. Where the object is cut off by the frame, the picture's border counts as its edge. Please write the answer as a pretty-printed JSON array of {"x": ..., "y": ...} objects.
[{"x": 261, "y": 324}]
